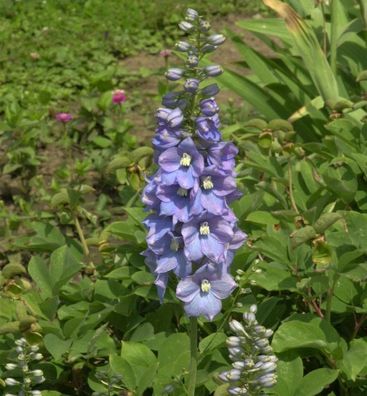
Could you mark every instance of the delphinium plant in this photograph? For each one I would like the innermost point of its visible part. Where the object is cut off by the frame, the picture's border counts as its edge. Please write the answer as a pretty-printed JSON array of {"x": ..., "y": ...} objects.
[
  {"x": 21, "y": 378},
  {"x": 192, "y": 230},
  {"x": 254, "y": 363}
]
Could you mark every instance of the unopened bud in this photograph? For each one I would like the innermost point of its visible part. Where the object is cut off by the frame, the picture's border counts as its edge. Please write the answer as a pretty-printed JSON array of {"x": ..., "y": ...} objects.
[
  {"x": 174, "y": 74},
  {"x": 185, "y": 26},
  {"x": 213, "y": 70},
  {"x": 216, "y": 39}
]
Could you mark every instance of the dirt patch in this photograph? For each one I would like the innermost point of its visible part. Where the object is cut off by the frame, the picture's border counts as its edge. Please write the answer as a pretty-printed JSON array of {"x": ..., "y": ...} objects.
[{"x": 142, "y": 116}]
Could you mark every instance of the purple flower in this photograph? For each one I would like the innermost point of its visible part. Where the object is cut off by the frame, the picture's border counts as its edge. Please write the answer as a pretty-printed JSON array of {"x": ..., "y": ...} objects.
[
  {"x": 202, "y": 292},
  {"x": 149, "y": 196},
  {"x": 64, "y": 117},
  {"x": 209, "y": 107},
  {"x": 173, "y": 258},
  {"x": 169, "y": 118},
  {"x": 207, "y": 236},
  {"x": 207, "y": 129},
  {"x": 177, "y": 202},
  {"x": 182, "y": 164},
  {"x": 214, "y": 187},
  {"x": 222, "y": 155},
  {"x": 158, "y": 226},
  {"x": 118, "y": 96}
]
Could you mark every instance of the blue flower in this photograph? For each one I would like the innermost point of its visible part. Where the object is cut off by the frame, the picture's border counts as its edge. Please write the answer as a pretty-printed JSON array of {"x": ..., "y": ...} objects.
[
  {"x": 207, "y": 235},
  {"x": 182, "y": 164},
  {"x": 202, "y": 292}
]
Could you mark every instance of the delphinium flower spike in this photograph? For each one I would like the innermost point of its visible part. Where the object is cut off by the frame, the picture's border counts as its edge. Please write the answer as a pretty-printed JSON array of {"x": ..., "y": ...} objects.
[
  {"x": 192, "y": 231},
  {"x": 21, "y": 377},
  {"x": 254, "y": 364}
]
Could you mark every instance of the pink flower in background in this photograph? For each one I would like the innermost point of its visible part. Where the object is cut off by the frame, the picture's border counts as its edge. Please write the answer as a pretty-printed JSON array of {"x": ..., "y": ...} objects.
[
  {"x": 118, "y": 96},
  {"x": 165, "y": 53},
  {"x": 64, "y": 117}
]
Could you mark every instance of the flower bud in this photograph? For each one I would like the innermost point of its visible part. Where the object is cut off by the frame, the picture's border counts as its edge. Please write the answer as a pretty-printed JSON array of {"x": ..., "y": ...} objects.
[
  {"x": 213, "y": 70},
  {"x": 165, "y": 53},
  {"x": 186, "y": 26},
  {"x": 224, "y": 376},
  {"x": 253, "y": 308},
  {"x": 191, "y": 85},
  {"x": 11, "y": 366},
  {"x": 19, "y": 349},
  {"x": 11, "y": 381},
  {"x": 171, "y": 99},
  {"x": 250, "y": 317},
  {"x": 235, "y": 351},
  {"x": 118, "y": 96},
  {"x": 191, "y": 14},
  {"x": 207, "y": 48},
  {"x": 233, "y": 341},
  {"x": 64, "y": 118},
  {"x": 192, "y": 61},
  {"x": 216, "y": 39},
  {"x": 38, "y": 356},
  {"x": 209, "y": 107},
  {"x": 37, "y": 373},
  {"x": 240, "y": 365},
  {"x": 234, "y": 375},
  {"x": 34, "y": 348},
  {"x": 236, "y": 327},
  {"x": 174, "y": 74},
  {"x": 237, "y": 391},
  {"x": 183, "y": 46},
  {"x": 21, "y": 342},
  {"x": 36, "y": 393},
  {"x": 210, "y": 90}
]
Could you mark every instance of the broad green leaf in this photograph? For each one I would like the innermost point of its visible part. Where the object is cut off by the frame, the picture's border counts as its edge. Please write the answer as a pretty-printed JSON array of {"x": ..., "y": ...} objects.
[
  {"x": 56, "y": 346},
  {"x": 290, "y": 373},
  {"x": 305, "y": 331},
  {"x": 120, "y": 366},
  {"x": 315, "y": 381},
  {"x": 355, "y": 359},
  {"x": 274, "y": 277}
]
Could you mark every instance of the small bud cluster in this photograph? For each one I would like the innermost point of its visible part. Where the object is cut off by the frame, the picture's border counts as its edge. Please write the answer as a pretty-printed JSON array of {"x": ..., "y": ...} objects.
[
  {"x": 254, "y": 363},
  {"x": 192, "y": 230},
  {"x": 22, "y": 376},
  {"x": 112, "y": 382}
]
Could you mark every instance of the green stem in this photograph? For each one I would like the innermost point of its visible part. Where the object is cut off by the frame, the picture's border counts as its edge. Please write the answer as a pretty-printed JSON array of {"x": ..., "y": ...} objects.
[
  {"x": 330, "y": 294},
  {"x": 81, "y": 236},
  {"x": 193, "y": 356}
]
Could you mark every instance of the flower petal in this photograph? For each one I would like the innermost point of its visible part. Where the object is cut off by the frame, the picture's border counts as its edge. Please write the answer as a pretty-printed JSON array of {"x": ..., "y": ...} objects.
[
  {"x": 169, "y": 160},
  {"x": 205, "y": 304}
]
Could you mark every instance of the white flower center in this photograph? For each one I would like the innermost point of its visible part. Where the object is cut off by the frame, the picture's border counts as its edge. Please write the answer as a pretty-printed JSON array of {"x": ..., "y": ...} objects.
[
  {"x": 207, "y": 183},
  {"x": 182, "y": 192},
  {"x": 205, "y": 286},
  {"x": 204, "y": 228},
  {"x": 185, "y": 159},
  {"x": 174, "y": 245}
]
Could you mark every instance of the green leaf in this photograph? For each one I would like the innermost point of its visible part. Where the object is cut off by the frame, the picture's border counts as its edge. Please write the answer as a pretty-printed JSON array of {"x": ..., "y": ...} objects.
[
  {"x": 315, "y": 381},
  {"x": 305, "y": 331},
  {"x": 355, "y": 359},
  {"x": 119, "y": 365},
  {"x": 274, "y": 277},
  {"x": 302, "y": 235},
  {"x": 38, "y": 270},
  {"x": 290, "y": 373},
  {"x": 56, "y": 346}
]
